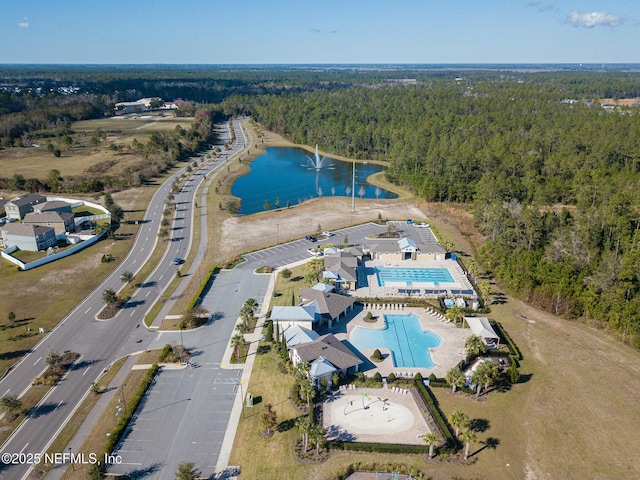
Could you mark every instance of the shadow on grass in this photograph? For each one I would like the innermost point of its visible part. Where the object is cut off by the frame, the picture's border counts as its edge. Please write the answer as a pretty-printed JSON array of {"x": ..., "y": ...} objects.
[
  {"x": 491, "y": 443},
  {"x": 286, "y": 425},
  {"x": 479, "y": 425}
]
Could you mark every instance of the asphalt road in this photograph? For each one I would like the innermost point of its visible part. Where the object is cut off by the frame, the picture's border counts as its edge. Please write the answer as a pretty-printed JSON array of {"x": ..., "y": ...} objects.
[
  {"x": 99, "y": 343},
  {"x": 186, "y": 412}
]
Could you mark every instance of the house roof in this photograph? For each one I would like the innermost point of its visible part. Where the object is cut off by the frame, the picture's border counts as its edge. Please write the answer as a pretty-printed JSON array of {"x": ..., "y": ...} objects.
[
  {"x": 28, "y": 198},
  {"x": 329, "y": 348},
  {"x": 47, "y": 217},
  {"x": 323, "y": 287},
  {"x": 296, "y": 334},
  {"x": 53, "y": 205},
  {"x": 407, "y": 243},
  {"x": 305, "y": 313},
  {"x": 481, "y": 327},
  {"x": 330, "y": 274},
  {"x": 331, "y": 304},
  {"x": 344, "y": 258},
  {"x": 321, "y": 367},
  {"x": 31, "y": 231}
]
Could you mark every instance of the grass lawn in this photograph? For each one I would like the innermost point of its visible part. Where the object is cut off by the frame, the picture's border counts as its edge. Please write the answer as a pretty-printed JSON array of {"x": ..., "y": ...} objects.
[
  {"x": 272, "y": 458},
  {"x": 288, "y": 290}
]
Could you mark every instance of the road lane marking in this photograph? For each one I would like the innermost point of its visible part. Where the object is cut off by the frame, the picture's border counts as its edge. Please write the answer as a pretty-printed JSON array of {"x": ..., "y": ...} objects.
[
  {"x": 37, "y": 360},
  {"x": 86, "y": 370}
]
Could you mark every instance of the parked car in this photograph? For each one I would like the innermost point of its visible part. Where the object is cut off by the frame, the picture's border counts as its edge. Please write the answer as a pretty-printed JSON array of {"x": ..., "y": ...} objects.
[
  {"x": 328, "y": 234},
  {"x": 311, "y": 238},
  {"x": 314, "y": 252}
]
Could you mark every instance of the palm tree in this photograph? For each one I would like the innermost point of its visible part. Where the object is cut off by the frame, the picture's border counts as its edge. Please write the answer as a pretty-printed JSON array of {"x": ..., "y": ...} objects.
[
  {"x": 485, "y": 291},
  {"x": 432, "y": 440},
  {"x": 485, "y": 375},
  {"x": 455, "y": 314},
  {"x": 242, "y": 328},
  {"x": 307, "y": 390},
  {"x": 237, "y": 341},
  {"x": 317, "y": 436},
  {"x": 458, "y": 419},
  {"x": 456, "y": 378},
  {"x": 468, "y": 436},
  {"x": 475, "y": 345},
  {"x": 305, "y": 425}
]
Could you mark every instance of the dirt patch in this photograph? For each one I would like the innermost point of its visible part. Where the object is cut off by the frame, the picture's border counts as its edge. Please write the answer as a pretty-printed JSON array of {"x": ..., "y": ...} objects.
[{"x": 246, "y": 233}]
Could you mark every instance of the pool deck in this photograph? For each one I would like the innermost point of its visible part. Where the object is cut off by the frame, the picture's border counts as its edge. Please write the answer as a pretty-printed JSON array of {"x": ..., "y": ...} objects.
[
  {"x": 393, "y": 289},
  {"x": 446, "y": 356}
]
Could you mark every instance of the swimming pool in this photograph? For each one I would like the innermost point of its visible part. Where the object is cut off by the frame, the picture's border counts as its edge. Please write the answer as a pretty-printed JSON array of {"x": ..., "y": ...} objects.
[
  {"x": 402, "y": 335},
  {"x": 413, "y": 275}
]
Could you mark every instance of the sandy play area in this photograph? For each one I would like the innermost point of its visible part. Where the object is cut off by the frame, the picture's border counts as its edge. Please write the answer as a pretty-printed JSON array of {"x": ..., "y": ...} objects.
[{"x": 374, "y": 415}]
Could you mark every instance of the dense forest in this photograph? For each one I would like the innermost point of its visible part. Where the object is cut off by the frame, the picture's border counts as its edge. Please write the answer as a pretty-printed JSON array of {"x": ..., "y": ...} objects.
[{"x": 551, "y": 174}]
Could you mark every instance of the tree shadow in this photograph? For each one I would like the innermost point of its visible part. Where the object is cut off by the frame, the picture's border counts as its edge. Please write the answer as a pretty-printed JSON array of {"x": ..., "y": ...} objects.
[
  {"x": 336, "y": 433},
  {"x": 84, "y": 364},
  {"x": 286, "y": 425},
  {"x": 144, "y": 472},
  {"x": 44, "y": 409},
  {"x": 491, "y": 443},
  {"x": 479, "y": 425}
]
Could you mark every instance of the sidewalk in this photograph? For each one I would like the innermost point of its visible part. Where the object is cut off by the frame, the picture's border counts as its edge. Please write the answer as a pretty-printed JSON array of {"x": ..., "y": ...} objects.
[
  {"x": 84, "y": 431},
  {"x": 247, "y": 367}
]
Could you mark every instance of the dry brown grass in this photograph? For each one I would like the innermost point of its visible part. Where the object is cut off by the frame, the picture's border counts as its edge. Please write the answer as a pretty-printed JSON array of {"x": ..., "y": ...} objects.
[{"x": 574, "y": 415}]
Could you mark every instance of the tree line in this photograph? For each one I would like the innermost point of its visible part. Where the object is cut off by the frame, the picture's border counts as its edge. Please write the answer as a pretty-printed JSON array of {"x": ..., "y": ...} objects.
[{"x": 551, "y": 174}]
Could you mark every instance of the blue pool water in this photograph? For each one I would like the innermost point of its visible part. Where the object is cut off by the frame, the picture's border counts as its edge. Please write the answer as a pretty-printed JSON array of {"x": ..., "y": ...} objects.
[
  {"x": 403, "y": 336},
  {"x": 411, "y": 275}
]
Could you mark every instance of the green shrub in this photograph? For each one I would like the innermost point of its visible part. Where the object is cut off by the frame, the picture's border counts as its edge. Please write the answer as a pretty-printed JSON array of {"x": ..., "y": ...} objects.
[
  {"x": 391, "y": 377},
  {"x": 438, "y": 416},
  {"x": 377, "y": 356},
  {"x": 377, "y": 377}
]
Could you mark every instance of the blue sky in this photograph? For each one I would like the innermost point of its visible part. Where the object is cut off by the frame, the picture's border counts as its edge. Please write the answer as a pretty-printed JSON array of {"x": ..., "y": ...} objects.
[{"x": 320, "y": 31}]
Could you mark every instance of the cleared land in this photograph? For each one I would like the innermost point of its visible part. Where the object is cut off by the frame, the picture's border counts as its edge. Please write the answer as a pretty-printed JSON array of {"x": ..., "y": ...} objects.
[{"x": 79, "y": 157}]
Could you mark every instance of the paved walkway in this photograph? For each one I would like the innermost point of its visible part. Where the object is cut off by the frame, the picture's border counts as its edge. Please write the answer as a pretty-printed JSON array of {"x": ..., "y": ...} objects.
[{"x": 83, "y": 432}]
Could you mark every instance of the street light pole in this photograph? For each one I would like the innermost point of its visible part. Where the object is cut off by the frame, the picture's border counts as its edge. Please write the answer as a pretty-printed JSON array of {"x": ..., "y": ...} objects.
[
  {"x": 123, "y": 400},
  {"x": 353, "y": 189}
]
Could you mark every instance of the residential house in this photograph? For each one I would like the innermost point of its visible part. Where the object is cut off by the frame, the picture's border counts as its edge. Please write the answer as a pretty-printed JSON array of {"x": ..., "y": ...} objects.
[
  {"x": 18, "y": 207},
  {"x": 28, "y": 237},
  {"x": 326, "y": 355},
  {"x": 304, "y": 316},
  {"x": 330, "y": 307},
  {"x": 61, "y": 222},
  {"x": 343, "y": 268},
  {"x": 296, "y": 334},
  {"x": 52, "y": 206}
]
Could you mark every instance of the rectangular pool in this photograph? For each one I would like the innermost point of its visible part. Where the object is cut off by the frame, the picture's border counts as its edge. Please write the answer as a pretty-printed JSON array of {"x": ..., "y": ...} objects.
[{"x": 413, "y": 275}]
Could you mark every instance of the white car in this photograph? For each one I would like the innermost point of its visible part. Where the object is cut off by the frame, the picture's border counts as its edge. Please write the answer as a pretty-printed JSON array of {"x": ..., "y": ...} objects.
[
  {"x": 328, "y": 234},
  {"x": 315, "y": 253},
  {"x": 422, "y": 225}
]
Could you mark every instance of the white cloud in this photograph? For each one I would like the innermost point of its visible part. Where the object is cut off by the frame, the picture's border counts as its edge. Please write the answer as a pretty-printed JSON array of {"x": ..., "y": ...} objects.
[
  {"x": 594, "y": 19},
  {"x": 542, "y": 7},
  {"x": 23, "y": 23},
  {"x": 317, "y": 30}
]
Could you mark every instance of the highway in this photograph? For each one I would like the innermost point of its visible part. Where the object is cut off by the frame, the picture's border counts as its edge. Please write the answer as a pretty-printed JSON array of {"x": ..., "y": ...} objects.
[{"x": 99, "y": 343}]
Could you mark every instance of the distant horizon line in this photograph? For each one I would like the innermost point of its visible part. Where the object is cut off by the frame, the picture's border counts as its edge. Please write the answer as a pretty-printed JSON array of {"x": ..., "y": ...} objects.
[{"x": 317, "y": 64}]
